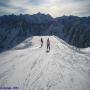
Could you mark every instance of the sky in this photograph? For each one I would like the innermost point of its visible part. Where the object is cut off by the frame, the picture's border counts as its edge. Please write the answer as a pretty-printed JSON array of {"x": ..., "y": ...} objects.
[{"x": 55, "y": 8}]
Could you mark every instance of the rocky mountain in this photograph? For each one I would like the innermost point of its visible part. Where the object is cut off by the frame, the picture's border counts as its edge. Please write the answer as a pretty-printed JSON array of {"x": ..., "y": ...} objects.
[
  {"x": 74, "y": 30},
  {"x": 14, "y": 29}
]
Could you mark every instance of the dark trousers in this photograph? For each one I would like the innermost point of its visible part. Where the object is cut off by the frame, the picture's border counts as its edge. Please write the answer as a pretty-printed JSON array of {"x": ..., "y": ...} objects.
[
  {"x": 48, "y": 47},
  {"x": 41, "y": 44}
]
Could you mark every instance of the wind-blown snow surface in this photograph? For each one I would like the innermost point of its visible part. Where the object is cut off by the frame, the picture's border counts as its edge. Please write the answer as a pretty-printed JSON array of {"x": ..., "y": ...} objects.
[{"x": 29, "y": 67}]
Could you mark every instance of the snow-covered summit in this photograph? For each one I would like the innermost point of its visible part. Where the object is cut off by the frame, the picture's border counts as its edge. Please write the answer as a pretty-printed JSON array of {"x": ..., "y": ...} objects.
[{"x": 29, "y": 67}]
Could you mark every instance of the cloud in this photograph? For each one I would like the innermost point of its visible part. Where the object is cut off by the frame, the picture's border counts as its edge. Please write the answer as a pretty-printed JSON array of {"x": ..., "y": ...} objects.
[{"x": 54, "y": 7}]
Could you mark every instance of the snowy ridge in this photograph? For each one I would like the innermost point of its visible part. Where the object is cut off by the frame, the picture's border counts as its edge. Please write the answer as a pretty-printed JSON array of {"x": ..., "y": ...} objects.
[
  {"x": 29, "y": 67},
  {"x": 80, "y": 50}
]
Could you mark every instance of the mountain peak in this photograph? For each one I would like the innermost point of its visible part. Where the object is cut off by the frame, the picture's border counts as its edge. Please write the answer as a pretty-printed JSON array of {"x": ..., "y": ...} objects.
[{"x": 42, "y": 14}]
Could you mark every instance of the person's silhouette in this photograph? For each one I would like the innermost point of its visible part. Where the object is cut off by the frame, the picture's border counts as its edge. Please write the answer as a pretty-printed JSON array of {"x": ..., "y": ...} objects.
[
  {"x": 48, "y": 45},
  {"x": 41, "y": 42}
]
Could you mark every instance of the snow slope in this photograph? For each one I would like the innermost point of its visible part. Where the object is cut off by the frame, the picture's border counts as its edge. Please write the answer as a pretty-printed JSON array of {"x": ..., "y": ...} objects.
[{"x": 29, "y": 67}]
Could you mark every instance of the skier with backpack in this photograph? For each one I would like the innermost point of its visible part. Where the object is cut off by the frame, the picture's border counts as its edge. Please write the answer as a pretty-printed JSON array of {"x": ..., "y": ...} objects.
[{"x": 48, "y": 45}]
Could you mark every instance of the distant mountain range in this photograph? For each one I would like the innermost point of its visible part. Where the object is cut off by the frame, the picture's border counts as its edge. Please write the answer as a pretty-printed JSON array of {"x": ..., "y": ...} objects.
[{"x": 14, "y": 29}]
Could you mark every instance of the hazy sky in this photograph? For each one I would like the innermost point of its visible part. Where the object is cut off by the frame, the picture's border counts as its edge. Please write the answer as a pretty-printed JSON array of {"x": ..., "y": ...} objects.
[{"x": 54, "y": 7}]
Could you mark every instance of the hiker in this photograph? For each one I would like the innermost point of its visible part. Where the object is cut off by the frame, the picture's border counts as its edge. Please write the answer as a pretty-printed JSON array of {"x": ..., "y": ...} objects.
[
  {"x": 41, "y": 42},
  {"x": 48, "y": 45}
]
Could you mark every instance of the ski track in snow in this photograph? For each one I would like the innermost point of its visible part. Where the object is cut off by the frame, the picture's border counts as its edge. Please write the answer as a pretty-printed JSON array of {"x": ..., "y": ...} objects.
[{"x": 32, "y": 68}]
